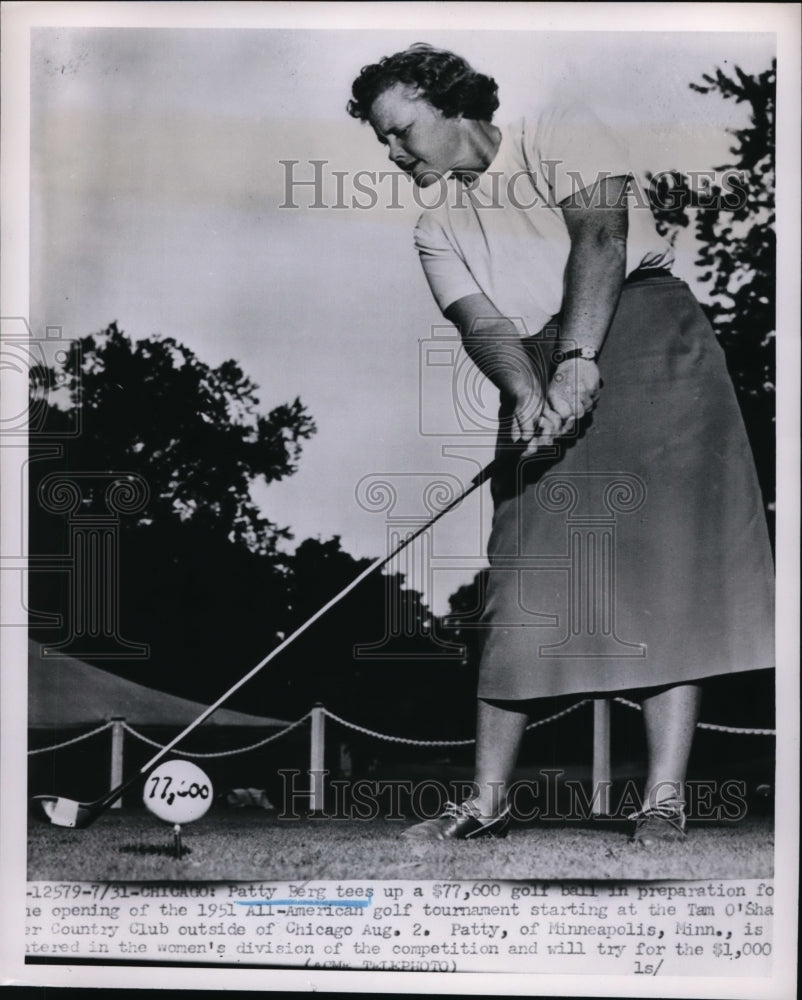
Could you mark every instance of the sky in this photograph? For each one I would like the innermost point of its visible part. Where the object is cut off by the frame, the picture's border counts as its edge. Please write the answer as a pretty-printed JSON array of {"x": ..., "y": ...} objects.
[{"x": 159, "y": 199}]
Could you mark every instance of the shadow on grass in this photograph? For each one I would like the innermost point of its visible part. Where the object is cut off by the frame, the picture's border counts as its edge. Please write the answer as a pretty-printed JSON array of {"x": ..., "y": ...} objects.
[{"x": 161, "y": 850}]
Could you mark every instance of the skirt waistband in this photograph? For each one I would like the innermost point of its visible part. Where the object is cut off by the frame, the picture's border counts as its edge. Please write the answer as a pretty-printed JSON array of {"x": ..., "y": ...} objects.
[
  {"x": 638, "y": 276},
  {"x": 648, "y": 274}
]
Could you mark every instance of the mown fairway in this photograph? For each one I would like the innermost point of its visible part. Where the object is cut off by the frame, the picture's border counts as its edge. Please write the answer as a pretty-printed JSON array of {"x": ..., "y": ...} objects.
[{"x": 245, "y": 845}]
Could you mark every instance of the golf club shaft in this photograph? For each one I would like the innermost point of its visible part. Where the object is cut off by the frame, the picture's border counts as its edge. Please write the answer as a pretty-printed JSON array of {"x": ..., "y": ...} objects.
[{"x": 475, "y": 483}]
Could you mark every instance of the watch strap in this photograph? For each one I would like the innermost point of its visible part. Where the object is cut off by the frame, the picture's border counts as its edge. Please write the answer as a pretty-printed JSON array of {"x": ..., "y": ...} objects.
[{"x": 586, "y": 353}]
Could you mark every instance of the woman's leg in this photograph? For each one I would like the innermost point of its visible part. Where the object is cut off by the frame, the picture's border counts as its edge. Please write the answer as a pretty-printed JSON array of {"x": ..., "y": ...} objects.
[
  {"x": 670, "y": 717},
  {"x": 499, "y": 729}
]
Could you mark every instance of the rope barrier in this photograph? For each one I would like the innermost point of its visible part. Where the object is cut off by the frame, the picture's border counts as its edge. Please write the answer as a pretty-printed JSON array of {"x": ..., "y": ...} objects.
[
  {"x": 559, "y": 715},
  {"x": 736, "y": 730},
  {"x": 76, "y": 739},
  {"x": 710, "y": 726},
  {"x": 221, "y": 753},
  {"x": 396, "y": 739},
  {"x": 441, "y": 743}
]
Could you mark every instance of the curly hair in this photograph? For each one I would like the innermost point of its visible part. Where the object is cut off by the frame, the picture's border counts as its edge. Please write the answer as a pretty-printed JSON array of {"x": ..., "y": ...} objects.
[{"x": 442, "y": 78}]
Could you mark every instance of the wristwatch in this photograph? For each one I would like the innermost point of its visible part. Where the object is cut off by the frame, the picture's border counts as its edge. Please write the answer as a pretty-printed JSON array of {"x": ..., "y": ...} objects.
[{"x": 586, "y": 353}]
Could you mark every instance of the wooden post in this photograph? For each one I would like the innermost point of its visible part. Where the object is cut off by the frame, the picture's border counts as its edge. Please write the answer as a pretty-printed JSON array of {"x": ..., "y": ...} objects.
[
  {"x": 317, "y": 758},
  {"x": 600, "y": 780},
  {"x": 117, "y": 738}
]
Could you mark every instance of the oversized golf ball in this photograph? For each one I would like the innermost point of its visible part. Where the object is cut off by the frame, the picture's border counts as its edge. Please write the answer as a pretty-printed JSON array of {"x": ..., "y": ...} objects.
[{"x": 178, "y": 792}]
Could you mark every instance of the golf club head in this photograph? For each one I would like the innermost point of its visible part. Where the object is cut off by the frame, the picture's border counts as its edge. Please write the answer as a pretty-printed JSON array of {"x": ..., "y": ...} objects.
[{"x": 59, "y": 811}]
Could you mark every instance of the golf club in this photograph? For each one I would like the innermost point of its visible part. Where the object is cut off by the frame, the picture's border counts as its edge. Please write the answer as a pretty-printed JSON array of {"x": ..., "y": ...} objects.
[{"x": 61, "y": 811}]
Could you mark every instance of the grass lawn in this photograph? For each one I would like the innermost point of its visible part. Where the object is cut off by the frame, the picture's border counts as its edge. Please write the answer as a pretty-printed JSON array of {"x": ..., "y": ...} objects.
[{"x": 131, "y": 844}]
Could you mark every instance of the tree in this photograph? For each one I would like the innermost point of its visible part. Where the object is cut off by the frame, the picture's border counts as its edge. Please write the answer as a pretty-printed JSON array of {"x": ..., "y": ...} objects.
[
  {"x": 373, "y": 657},
  {"x": 733, "y": 223},
  {"x": 202, "y": 581},
  {"x": 194, "y": 432}
]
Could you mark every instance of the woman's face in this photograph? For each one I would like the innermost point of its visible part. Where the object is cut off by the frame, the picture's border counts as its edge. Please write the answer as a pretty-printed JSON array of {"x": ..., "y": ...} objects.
[{"x": 420, "y": 139}]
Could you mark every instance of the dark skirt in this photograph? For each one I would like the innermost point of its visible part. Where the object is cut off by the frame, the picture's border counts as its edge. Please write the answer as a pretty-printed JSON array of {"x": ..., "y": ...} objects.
[{"x": 635, "y": 554}]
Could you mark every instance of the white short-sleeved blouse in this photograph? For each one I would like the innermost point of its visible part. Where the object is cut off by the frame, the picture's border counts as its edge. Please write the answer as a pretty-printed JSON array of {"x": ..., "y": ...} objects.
[{"x": 505, "y": 236}]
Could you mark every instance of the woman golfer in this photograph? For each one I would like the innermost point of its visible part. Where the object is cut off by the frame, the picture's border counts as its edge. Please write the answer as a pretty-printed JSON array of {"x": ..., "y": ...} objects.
[{"x": 633, "y": 471}]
